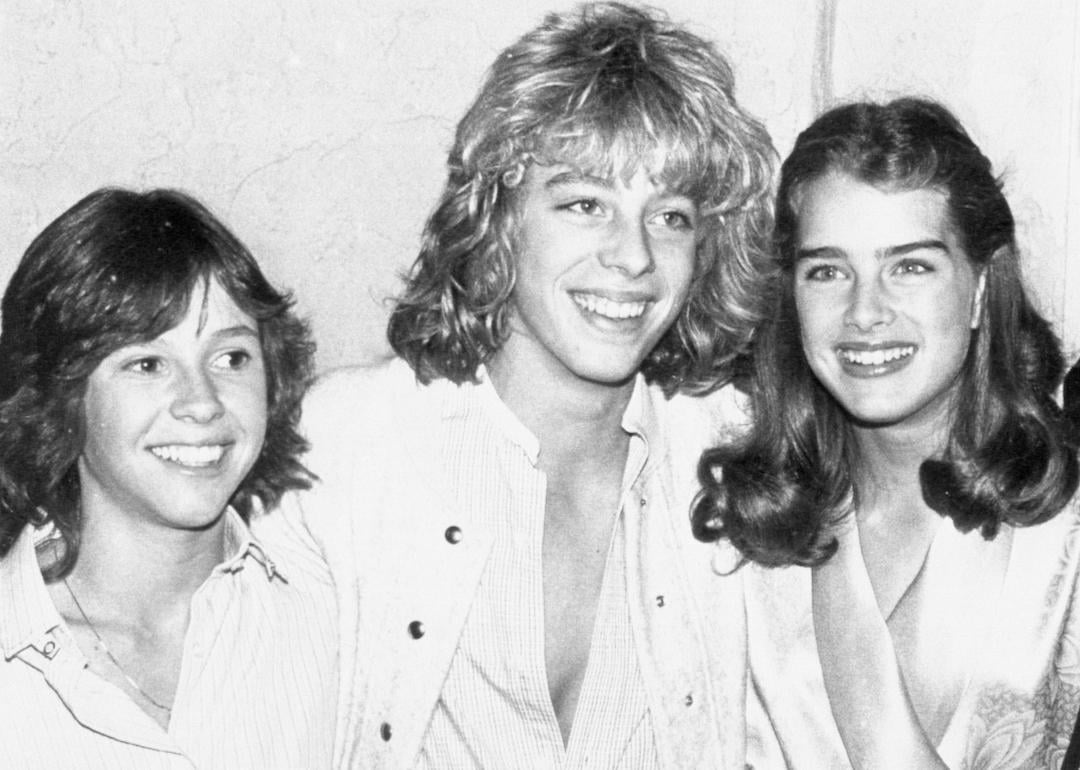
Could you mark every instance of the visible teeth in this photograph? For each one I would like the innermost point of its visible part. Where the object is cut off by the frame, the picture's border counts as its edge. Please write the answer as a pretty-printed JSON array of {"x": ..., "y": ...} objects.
[
  {"x": 185, "y": 454},
  {"x": 875, "y": 357},
  {"x": 609, "y": 308}
]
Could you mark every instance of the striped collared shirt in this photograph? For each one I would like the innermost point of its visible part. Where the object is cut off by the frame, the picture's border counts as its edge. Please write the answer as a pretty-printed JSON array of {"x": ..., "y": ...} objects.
[
  {"x": 495, "y": 708},
  {"x": 257, "y": 684}
]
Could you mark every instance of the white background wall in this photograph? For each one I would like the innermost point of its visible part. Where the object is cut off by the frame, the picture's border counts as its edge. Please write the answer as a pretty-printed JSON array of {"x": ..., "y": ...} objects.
[{"x": 317, "y": 129}]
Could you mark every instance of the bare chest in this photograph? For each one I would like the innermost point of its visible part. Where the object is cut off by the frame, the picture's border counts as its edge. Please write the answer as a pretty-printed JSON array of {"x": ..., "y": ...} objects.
[{"x": 576, "y": 548}]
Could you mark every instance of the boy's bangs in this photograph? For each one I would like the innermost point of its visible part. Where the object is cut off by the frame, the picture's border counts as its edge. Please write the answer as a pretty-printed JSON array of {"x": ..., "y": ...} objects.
[{"x": 614, "y": 148}]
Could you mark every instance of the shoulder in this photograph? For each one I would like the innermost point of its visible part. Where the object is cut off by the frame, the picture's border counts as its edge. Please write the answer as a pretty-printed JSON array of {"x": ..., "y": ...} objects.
[
  {"x": 1036, "y": 649},
  {"x": 1044, "y": 567},
  {"x": 292, "y": 551},
  {"x": 369, "y": 426},
  {"x": 353, "y": 387},
  {"x": 684, "y": 427},
  {"x": 1059, "y": 534},
  {"x": 357, "y": 398},
  {"x": 695, "y": 423},
  {"x": 1052, "y": 547}
]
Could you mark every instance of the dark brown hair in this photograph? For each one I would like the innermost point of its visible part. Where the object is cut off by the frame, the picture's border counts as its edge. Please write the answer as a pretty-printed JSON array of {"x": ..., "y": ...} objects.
[{"x": 120, "y": 267}]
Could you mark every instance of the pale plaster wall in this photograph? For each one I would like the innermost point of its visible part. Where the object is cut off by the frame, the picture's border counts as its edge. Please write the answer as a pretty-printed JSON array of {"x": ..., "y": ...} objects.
[{"x": 318, "y": 128}]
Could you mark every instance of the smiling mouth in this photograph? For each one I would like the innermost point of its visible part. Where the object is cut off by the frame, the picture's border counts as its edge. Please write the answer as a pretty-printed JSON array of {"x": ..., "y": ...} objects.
[
  {"x": 190, "y": 456},
  {"x": 608, "y": 308},
  {"x": 878, "y": 357}
]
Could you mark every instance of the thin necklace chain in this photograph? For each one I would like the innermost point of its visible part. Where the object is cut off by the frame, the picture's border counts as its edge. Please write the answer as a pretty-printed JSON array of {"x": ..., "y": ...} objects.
[{"x": 105, "y": 649}]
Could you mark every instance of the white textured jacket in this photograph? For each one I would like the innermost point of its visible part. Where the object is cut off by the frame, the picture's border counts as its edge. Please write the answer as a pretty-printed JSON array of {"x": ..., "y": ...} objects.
[{"x": 406, "y": 559}]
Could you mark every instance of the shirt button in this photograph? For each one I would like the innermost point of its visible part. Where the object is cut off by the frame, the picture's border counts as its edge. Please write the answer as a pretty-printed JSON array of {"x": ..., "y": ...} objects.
[
  {"x": 642, "y": 501},
  {"x": 49, "y": 649},
  {"x": 689, "y": 700},
  {"x": 660, "y": 600},
  {"x": 416, "y": 629},
  {"x": 384, "y": 731},
  {"x": 453, "y": 535}
]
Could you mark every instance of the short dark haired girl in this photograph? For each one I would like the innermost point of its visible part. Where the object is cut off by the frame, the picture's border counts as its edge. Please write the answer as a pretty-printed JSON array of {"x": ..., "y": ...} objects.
[{"x": 150, "y": 386}]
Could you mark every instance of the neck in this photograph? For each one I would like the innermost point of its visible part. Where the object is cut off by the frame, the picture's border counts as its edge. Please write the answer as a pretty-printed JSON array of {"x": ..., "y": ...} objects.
[
  {"x": 576, "y": 421},
  {"x": 151, "y": 571},
  {"x": 889, "y": 460}
]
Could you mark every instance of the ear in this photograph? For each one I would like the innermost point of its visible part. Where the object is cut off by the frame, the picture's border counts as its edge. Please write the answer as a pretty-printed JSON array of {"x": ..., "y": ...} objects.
[{"x": 977, "y": 300}]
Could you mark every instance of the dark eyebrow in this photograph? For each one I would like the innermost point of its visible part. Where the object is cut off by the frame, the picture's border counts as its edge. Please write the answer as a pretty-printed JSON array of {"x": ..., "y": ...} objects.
[
  {"x": 831, "y": 252},
  {"x": 907, "y": 248}
]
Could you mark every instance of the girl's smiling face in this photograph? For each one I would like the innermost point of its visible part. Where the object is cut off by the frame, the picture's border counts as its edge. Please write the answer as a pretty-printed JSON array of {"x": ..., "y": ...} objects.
[
  {"x": 887, "y": 298},
  {"x": 173, "y": 425}
]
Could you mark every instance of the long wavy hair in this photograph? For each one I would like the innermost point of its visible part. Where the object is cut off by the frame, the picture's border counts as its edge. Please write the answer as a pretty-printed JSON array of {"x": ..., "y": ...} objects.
[
  {"x": 605, "y": 88},
  {"x": 117, "y": 268},
  {"x": 1010, "y": 456}
]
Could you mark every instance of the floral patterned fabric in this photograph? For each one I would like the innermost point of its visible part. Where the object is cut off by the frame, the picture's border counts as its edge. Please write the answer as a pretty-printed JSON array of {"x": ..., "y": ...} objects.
[{"x": 1019, "y": 662}]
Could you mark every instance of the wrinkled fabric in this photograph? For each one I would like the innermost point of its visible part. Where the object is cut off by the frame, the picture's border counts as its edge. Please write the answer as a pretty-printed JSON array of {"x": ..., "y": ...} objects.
[
  {"x": 406, "y": 546},
  {"x": 1020, "y": 657}
]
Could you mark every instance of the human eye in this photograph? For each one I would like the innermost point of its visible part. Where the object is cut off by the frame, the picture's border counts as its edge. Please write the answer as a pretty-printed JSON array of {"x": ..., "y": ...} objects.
[
  {"x": 145, "y": 364},
  {"x": 821, "y": 272},
  {"x": 587, "y": 206},
  {"x": 234, "y": 359},
  {"x": 677, "y": 219},
  {"x": 908, "y": 267}
]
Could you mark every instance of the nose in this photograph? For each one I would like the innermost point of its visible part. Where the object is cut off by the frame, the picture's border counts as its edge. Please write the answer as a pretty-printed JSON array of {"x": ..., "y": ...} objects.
[
  {"x": 629, "y": 251},
  {"x": 196, "y": 397},
  {"x": 868, "y": 307}
]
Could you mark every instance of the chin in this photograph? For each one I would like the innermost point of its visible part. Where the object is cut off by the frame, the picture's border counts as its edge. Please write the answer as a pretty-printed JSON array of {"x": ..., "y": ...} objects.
[
  {"x": 881, "y": 416},
  {"x": 613, "y": 370},
  {"x": 196, "y": 517},
  {"x": 609, "y": 376},
  {"x": 870, "y": 420},
  {"x": 202, "y": 523}
]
